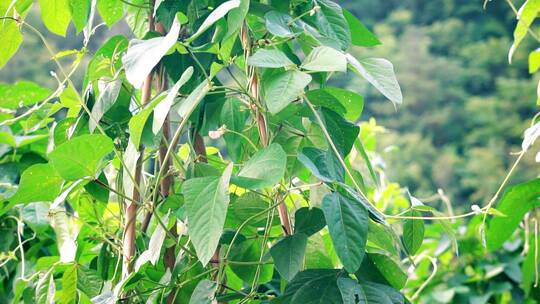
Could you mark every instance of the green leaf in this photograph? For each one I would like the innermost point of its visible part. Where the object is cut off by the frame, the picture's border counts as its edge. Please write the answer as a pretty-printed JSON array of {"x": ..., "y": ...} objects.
[
  {"x": 413, "y": 232},
  {"x": 39, "y": 183},
  {"x": 308, "y": 220},
  {"x": 515, "y": 203},
  {"x": 162, "y": 109},
  {"x": 325, "y": 59},
  {"x": 204, "y": 293},
  {"x": 68, "y": 293},
  {"x": 269, "y": 58},
  {"x": 206, "y": 200},
  {"x": 272, "y": 158},
  {"x": 342, "y": 132},
  {"x": 338, "y": 100},
  {"x": 360, "y": 34},
  {"x": 281, "y": 88},
  {"x": 10, "y": 36},
  {"x": 80, "y": 11},
  {"x": 364, "y": 293},
  {"x": 108, "y": 95},
  {"x": 88, "y": 281},
  {"x": 248, "y": 205},
  {"x": 313, "y": 286},
  {"x": 277, "y": 24},
  {"x": 111, "y": 11},
  {"x": 322, "y": 164},
  {"x": 348, "y": 226},
  {"x": 288, "y": 255},
  {"x": 331, "y": 23},
  {"x": 233, "y": 116},
  {"x": 380, "y": 73},
  {"x": 380, "y": 268},
  {"x": 534, "y": 61},
  {"x": 45, "y": 289},
  {"x": 374, "y": 214},
  {"x": 138, "y": 122},
  {"x": 35, "y": 215},
  {"x": 143, "y": 55},
  {"x": 236, "y": 17},
  {"x": 250, "y": 251},
  {"x": 526, "y": 15},
  {"x": 214, "y": 16},
  {"x": 21, "y": 94},
  {"x": 81, "y": 157},
  {"x": 55, "y": 15}
]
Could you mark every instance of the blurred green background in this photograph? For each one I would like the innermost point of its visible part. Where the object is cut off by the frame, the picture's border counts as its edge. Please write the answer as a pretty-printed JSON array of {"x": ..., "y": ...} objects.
[{"x": 465, "y": 108}]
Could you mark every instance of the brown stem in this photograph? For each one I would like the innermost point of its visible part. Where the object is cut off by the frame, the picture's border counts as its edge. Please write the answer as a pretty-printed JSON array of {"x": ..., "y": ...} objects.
[
  {"x": 130, "y": 220},
  {"x": 253, "y": 86}
]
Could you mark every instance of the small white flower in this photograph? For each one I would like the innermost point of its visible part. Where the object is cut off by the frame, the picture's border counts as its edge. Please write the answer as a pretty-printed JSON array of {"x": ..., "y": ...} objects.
[{"x": 476, "y": 209}]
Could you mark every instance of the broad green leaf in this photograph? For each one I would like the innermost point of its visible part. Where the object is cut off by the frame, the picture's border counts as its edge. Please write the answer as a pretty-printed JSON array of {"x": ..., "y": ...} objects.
[
  {"x": 137, "y": 17},
  {"x": 360, "y": 34},
  {"x": 21, "y": 94},
  {"x": 108, "y": 95},
  {"x": 80, "y": 12},
  {"x": 380, "y": 73},
  {"x": 313, "y": 286},
  {"x": 374, "y": 214},
  {"x": 234, "y": 117},
  {"x": 278, "y": 24},
  {"x": 105, "y": 58},
  {"x": 250, "y": 251},
  {"x": 288, "y": 255},
  {"x": 413, "y": 232},
  {"x": 206, "y": 200},
  {"x": 215, "y": 15},
  {"x": 317, "y": 254},
  {"x": 204, "y": 293},
  {"x": 55, "y": 15},
  {"x": 39, "y": 183},
  {"x": 110, "y": 10},
  {"x": 162, "y": 109},
  {"x": 308, "y": 220},
  {"x": 515, "y": 202},
  {"x": 269, "y": 58},
  {"x": 380, "y": 268},
  {"x": 325, "y": 59},
  {"x": 366, "y": 292},
  {"x": 88, "y": 281},
  {"x": 281, "y": 88},
  {"x": 348, "y": 226},
  {"x": 143, "y": 55},
  {"x": 338, "y": 100},
  {"x": 264, "y": 169},
  {"x": 382, "y": 237},
  {"x": 35, "y": 216},
  {"x": 68, "y": 293},
  {"x": 10, "y": 36},
  {"x": 322, "y": 164},
  {"x": 342, "y": 132},
  {"x": 236, "y": 17},
  {"x": 526, "y": 15},
  {"x": 81, "y": 157},
  {"x": 249, "y": 205},
  {"x": 331, "y": 23}
]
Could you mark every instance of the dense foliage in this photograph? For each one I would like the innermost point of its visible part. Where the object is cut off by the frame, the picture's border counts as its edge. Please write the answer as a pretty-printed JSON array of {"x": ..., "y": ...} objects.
[{"x": 211, "y": 155}]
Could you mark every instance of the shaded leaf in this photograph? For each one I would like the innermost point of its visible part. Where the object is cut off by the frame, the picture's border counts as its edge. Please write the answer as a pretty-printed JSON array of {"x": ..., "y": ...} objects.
[
  {"x": 348, "y": 226},
  {"x": 302, "y": 288},
  {"x": 322, "y": 164},
  {"x": 413, "y": 232},
  {"x": 308, "y": 220},
  {"x": 288, "y": 255},
  {"x": 272, "y": 158},
  {"x": 204, "y": 293},
  {"x": 206, "y": 200}
]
